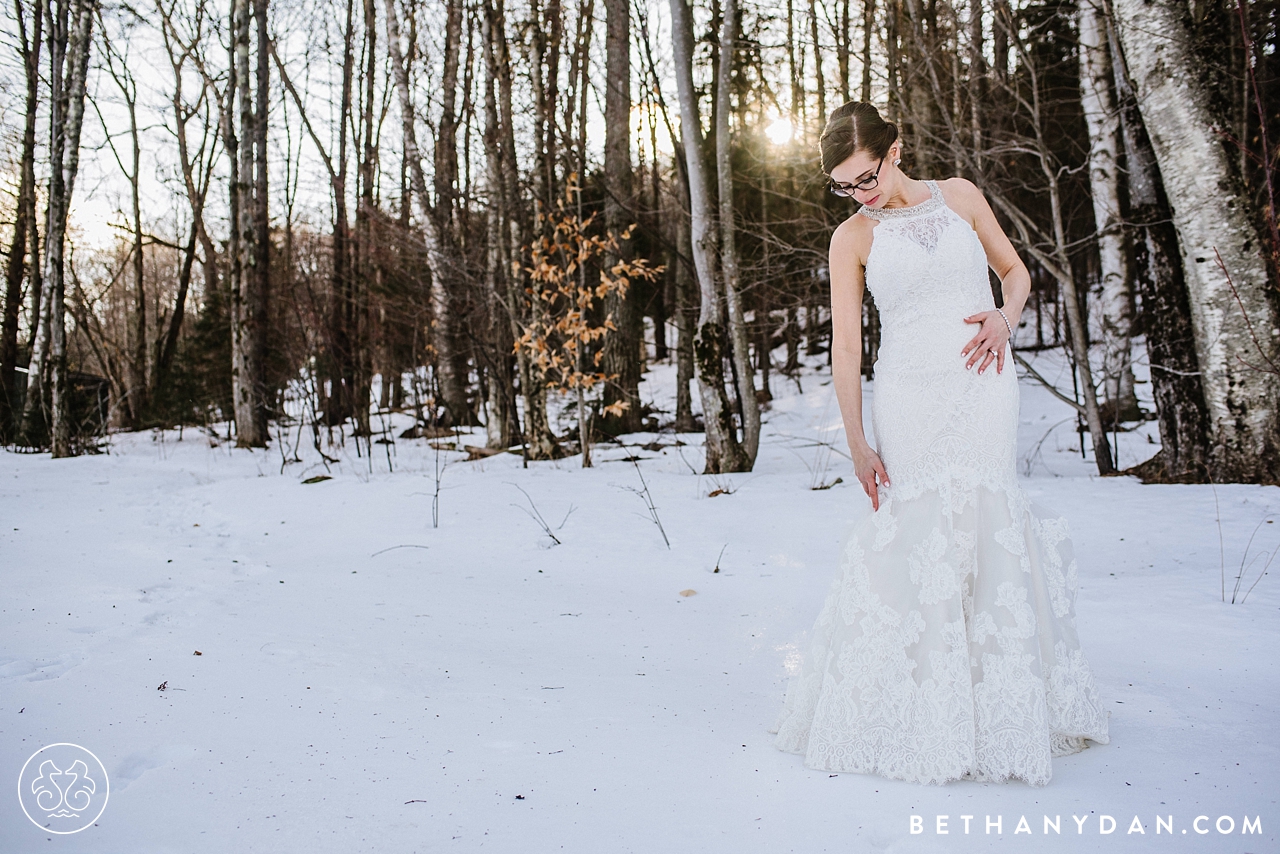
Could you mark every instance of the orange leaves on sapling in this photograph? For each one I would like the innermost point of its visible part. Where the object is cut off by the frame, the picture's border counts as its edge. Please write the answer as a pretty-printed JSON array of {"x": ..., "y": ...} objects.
[{"x": 558, "y": 325}]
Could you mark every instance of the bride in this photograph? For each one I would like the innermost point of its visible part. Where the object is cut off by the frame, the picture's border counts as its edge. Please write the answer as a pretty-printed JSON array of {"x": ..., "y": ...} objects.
[{"x": 946, "y": 648}]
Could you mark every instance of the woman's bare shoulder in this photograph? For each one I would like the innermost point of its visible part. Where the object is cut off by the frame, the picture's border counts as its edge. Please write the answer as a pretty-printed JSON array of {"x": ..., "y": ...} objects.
[
  {"x": 963, "y": 196},
  {"x": 853, "y": 236}
]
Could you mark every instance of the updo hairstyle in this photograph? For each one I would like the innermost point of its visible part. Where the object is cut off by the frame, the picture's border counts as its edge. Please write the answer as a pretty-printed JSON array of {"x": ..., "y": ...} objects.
[{"x": 855, "y": 126}]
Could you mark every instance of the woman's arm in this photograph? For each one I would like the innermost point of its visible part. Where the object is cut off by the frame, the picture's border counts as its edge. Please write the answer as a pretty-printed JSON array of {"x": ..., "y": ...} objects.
[
  {"x": 1015, "y": 280},
  {"x": 846, "y": 354}
]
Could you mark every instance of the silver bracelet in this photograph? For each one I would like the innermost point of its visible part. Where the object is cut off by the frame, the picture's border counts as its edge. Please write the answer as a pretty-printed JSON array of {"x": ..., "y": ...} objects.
[{"x": 1006, "y": 321}]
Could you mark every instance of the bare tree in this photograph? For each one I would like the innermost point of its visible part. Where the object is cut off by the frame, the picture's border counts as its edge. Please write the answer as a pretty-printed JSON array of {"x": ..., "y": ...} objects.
[
  {"x": 26, "y": 233},
  {"x": 744, "y": 375},
  {"x": 1175, "y": 370},
  {"x": 1055, "y": 258},
  {"x": 686, "y": 291},
  {"x": 249, "y": 271},
  {"x": 444, "y": 272},
  {"x": 820, "y": 85},
  {"x": 539, "y": 442},
  {"x": 340, "y": 319},
  {"x": 438, "y": 262},
  {"x": 196, "y": 168},
  {"x": 621, "y": 347},
  {"x": 502, "y": 424},
  {"x": 723, "y": 452},
  {"x": 1227, "y": 276},
  {"x": 134, "y": 394},
  {"x": 1103, "y": 120},
  {"x": 70, "y": 30}
]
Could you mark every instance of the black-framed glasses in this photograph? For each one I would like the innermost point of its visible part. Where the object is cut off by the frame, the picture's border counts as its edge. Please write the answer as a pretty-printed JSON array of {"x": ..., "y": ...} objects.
[{"x": 845, "y": 190}]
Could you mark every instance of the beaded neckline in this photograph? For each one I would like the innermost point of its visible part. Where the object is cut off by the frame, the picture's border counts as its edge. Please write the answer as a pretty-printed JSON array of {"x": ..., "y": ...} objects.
[{"x": 929, "y": 205}]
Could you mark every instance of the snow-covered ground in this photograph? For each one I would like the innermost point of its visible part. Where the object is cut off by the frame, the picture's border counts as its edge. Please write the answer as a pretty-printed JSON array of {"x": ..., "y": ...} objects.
[{"x": 368, "y": 682}]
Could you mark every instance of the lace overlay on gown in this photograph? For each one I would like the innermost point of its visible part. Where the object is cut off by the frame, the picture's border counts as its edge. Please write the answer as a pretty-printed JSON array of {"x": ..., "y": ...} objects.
[{"x": 946, "y": 646}]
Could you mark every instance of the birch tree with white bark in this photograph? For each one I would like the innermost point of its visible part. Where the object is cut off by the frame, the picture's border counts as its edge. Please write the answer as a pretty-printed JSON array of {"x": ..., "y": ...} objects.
[
  {"x": 744, "y": 375},
  {"x": 723, "y": 451},
  {"x": 1226, "y": 272},
  {"x": 1116, "y": 305},
  {"x": 70, "y": 36}
]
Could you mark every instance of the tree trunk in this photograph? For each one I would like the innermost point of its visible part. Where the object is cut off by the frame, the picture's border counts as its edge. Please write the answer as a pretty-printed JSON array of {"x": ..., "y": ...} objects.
[
  {"x": 445, "y": 277},
  {"x": 1103, "y": 122},
  {"x": 35, "y": 420},
  {"x": 79, "y": 43},
  {"x": 923, "y": 101},
  {"x": 256, "y": 301},
  {"x": 870, "y": 335},
  {"x": 744, "y": 375},
  {"x": 539, "y": 441},
  {"x": 1222, "y": 252},
  {"x": 451, "y": 385},
  {"x": 658, "y": 314},
  {"x": 366, "y": 253},
  {"x": 543, "y": 57},
  {"x": 544, "y": 74},
  {"x": 136, "y": 404},
  {"x": 69, "y": 45},
  {"x": 840, "y": 29},
  {"x": 795, "y": 72},
  {"x": 246, "y": 328},
  {"x": 621, "y": 345},
  {"x": 340, "y": 329},
  {"x": 25, "y": 232},
  {"x": 167, "y": 345},
  {"x": 1057, "y": 259},
  {"x": 820, "y": 86},
  {"x": 503, "y": 424},
  {"x": 341, "y": 404},
  {"x": 868, "y": 34},
  {"x": 197, "y": 188},
  {"x": 134, "y": 391},
  {"x": 684, "y": 287},
  {"x": 791, "y": 334},
  {"x": 813, "y": 332},
  {"x": 723, "y": 453},
  {"x": 977, "y": 89},
  {"x": 1166, "y": 312}
]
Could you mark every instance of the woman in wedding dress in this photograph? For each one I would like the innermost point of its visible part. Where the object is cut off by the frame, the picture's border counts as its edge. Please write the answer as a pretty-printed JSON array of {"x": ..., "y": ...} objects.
[{"x": 946, "y": 647}]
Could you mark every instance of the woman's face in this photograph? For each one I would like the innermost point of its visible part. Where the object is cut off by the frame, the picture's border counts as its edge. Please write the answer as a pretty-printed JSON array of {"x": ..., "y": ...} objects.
[{"x": 862, "y": 166}]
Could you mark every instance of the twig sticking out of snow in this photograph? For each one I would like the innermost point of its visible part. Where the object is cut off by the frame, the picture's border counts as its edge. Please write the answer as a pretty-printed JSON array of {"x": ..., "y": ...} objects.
[
  {"x": 680, "y": 451},
  {"x": 435, "y": 496},
  {"x": 1235, "y": 591},
  {"x": 393, "y": 548},
  {"x": 536, "y": 516},
  {"x": 644, "y": 493},
  {"x": 723, "y": 486},
  {"x": 1245, "y": 563},
  {"x": 1222, "y": 549}
]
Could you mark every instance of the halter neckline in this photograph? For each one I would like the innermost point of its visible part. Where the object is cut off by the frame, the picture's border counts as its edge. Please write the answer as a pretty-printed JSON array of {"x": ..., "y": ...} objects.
[{"x": 930, "y": 204}]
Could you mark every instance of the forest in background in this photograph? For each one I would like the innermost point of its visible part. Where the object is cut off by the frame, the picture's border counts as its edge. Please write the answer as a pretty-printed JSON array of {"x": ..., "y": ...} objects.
[{"x": 498, "y": 202}]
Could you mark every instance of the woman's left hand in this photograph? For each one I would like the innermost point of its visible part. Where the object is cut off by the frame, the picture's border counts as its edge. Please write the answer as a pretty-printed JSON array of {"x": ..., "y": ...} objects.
[{"x": 990, "y": 343}]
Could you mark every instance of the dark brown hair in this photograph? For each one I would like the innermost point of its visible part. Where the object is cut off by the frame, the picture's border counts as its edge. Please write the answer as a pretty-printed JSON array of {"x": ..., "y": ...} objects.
[{"x": 855, "y": 126}]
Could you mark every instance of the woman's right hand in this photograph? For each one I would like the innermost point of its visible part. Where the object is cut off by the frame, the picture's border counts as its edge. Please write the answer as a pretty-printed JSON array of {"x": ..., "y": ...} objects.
[{"x": 867, "y": 467}]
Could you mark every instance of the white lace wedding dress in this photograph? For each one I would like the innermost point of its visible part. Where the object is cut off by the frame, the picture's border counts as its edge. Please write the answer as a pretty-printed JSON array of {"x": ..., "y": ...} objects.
[{"x": 946, "y": 647}]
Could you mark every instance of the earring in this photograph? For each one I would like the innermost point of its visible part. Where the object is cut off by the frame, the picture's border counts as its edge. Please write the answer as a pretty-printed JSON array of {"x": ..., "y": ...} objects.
[{"x": 897, "y": 161}]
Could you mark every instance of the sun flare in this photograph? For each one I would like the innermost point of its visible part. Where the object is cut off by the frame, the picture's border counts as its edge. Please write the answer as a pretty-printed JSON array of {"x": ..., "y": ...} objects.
[{"x": 780, "y": 131}]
